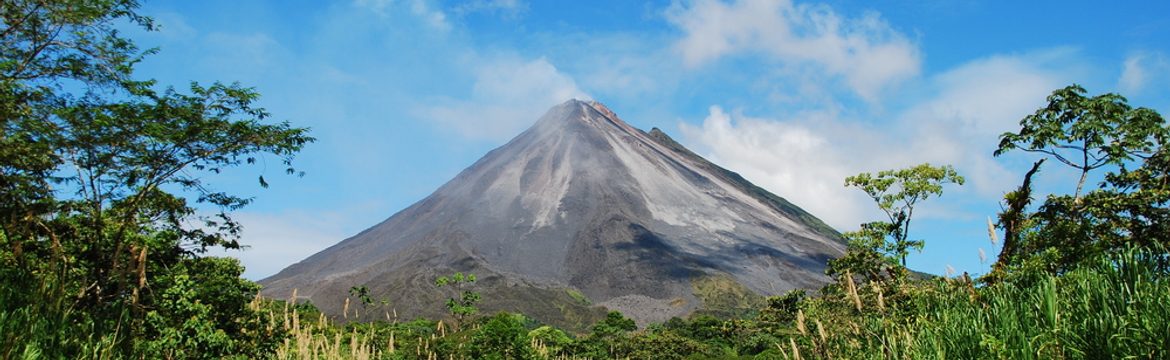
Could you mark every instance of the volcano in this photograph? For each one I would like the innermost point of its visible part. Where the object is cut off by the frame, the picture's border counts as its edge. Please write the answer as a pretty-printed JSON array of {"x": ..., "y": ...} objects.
[{"x": 579, "y": 214}]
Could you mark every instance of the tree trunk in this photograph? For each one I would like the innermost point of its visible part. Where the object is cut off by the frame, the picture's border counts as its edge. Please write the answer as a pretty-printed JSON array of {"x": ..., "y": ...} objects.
[{"x": 1011, "y": 220}]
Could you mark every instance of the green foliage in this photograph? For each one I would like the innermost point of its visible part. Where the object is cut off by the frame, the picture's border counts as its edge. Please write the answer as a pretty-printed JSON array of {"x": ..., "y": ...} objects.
[
  {"x": 203, "y": 311},
  {"x": 99, "y": 177},
  {"x": 782, "y": 309},
  {"x": 462, "y": 304},
  {"x": 1087, "y": 133},
  {"x": 868, "y": 253},
  {"x": 362, "y": 293},
  {"x": 1128, "y": 208},
  {"x": 502, "y": 336},
  {"x": 554, "y": 340},
  {"x": 664, "y": 345},
  {"x": 614, "y": 325},
  {"x": 724, "y": 296},
  {"x": 896, "y": 192},
  {"x": 1109, "y": 308},
  {"x": 578, "y": 296}
]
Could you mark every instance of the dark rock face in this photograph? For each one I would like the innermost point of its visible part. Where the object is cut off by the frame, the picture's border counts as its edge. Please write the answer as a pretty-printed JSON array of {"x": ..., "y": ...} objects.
[{"x": 579, "y": 204}]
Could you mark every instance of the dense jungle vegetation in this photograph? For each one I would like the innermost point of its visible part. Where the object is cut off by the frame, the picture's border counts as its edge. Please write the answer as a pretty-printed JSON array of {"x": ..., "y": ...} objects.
[{"x": 100, "y": 242}]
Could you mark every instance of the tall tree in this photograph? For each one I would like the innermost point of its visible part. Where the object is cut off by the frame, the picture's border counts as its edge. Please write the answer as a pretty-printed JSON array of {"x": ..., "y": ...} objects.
[
  {"x": 101, "y": 173},
  {"x": 1128, "y": 208},
  {"x": 896, "y": 193},
  {"x": 461, "y": 303},
  {"x": 1087, "y": 132}
]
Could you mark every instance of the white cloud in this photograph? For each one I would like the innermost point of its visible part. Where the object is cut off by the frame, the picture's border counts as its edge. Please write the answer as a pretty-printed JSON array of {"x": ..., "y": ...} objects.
[
  {"x": 800, "y": 159},
  {"x": 503, "y": 7},
  {"x": 509, "y": 94},
  {"x": 435, "y": 18},
  {"x": 973, "y": 105},
  {"x": 805, "y": 157},
  {"x": 866, "y": 52},
  {"x": 1141, "y": 69},
  {"x": 421, "y": 9},
  {"x": 1133, "y": 74},
  {"x": 277, "y": 240}
]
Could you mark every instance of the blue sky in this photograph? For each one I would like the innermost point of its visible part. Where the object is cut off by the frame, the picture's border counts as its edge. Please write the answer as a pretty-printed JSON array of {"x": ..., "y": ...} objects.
[{"x": 795, "y": 96}]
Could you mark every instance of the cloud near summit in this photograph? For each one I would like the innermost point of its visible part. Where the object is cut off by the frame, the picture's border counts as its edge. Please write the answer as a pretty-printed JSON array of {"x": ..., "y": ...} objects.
[{"x": 508, "y": 95}]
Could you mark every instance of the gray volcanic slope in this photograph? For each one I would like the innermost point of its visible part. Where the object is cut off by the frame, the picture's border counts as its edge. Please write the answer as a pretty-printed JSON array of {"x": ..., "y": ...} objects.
[{"x": 579, "y": 204}]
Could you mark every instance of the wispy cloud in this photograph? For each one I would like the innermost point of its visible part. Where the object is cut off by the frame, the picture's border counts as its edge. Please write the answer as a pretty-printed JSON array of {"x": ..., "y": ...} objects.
[
  {"x": 1141, "y": 69},
  {"x": 866, "y": 52},
  {"x": 422, "y": 9},
  {"x": 276, "y": 240},
  {"x": 506, "y": 8},
  {"x": 508, "y": 95}
]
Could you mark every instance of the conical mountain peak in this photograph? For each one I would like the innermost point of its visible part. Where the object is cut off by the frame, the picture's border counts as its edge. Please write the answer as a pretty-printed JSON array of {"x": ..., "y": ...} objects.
[
  {"x": 581, "y": 201},
  {"x": 567, "y": 115}
]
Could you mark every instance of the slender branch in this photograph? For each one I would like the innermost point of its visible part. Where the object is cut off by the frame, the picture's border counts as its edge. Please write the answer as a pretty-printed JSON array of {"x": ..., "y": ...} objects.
[
  {"x": 1058, "y": 157},
  {"x": 1084, "y": 174},
  {"x": 21, "y": 20}
]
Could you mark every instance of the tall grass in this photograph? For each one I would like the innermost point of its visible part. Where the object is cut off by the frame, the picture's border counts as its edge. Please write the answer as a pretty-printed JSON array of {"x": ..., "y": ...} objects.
[
  {"x": 38, "y": 321},
  {"x": 1114, "y": 307}
]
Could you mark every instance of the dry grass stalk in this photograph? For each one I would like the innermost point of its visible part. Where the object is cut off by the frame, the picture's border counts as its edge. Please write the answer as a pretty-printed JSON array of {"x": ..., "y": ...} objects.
[
  {"x": 800, "y": 322},
  {"x": 540, "y": 348},
  {"x": 795, "y": 351},
  {"x": 390, "y": 346},
  {"x": 852, "y": 289},
  {"x": 821, "y": 332},
  {"x": 991, "y": 231}
]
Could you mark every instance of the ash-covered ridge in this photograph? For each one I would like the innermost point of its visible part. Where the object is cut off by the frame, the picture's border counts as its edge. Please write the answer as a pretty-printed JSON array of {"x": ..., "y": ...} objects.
[{"x": 582, "y": 203}]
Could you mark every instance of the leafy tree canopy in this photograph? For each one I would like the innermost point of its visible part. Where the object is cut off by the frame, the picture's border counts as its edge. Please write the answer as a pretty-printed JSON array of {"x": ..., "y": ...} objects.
[
  {"x": 101, "y": 173},
  {"x": 880, "y": 244}
]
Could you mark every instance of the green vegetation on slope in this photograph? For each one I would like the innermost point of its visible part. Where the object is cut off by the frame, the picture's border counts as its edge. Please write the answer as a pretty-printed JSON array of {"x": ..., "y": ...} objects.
[{"x": 1111, "y": 307}]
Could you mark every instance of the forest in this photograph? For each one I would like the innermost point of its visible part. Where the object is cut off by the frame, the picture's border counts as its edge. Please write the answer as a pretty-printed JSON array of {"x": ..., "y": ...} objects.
[{"x": 102, "y": 248}]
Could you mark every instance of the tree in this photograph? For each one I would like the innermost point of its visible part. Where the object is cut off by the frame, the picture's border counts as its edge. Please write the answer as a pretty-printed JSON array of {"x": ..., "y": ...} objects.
[
  {"x": 502, "y": 336},
  {"x": 615, "y": 324},
  {"x": 553, "y": 340},
  {"x": 896, "y": 192},
  {"x": 1014, "y": 221},
  {"x": 462, "y": 303},
  {"x": 1087, "y": 133},
  {"x": 100, "y": 173},
  {"x": 204, "y": 310},
  {"x": 1128, "y": 208},
  {"x": 782, "y": 308}
]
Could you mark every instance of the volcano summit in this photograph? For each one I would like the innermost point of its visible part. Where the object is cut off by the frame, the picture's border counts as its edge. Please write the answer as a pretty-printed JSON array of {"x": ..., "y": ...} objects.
[{"x": 579, "y": 211}]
